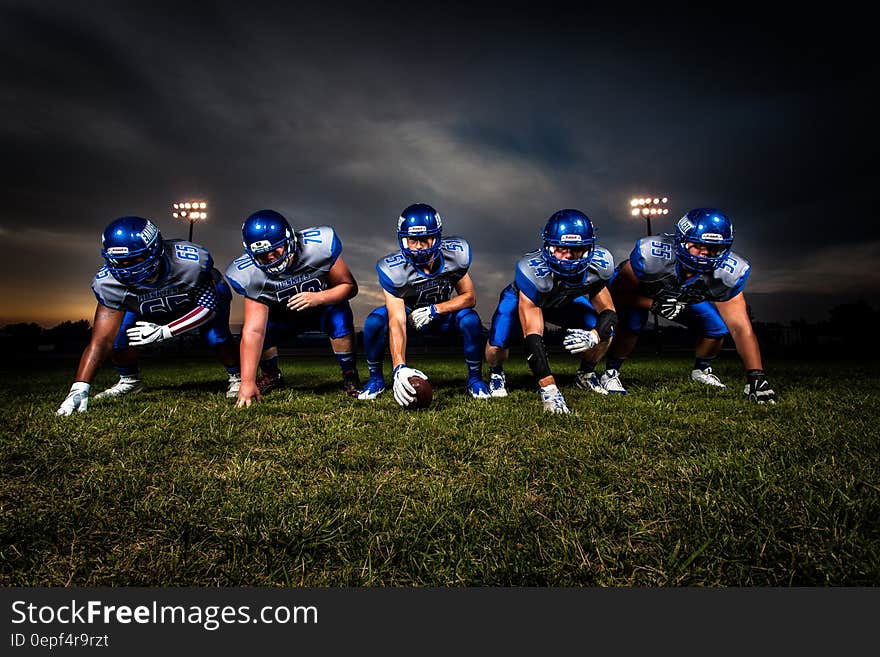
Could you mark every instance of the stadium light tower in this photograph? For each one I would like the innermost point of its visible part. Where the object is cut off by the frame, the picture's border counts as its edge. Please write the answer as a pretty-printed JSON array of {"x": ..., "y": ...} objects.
[
  {"x": 647, "y": 207},
  {"x": 191, "y": 211}
]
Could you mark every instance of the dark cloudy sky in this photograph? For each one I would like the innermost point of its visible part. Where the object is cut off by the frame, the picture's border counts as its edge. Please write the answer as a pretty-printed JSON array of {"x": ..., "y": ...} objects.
[{"x": 343, "y": 114}]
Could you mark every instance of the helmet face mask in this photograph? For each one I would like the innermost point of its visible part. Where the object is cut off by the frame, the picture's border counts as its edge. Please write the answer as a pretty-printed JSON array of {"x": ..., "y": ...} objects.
[
  {"x": 419, "y": 222},
  {"x": 132, "y": 249},
  {"x": 703, "y": 227},
  {"x": 264, "y": 233},
  {"x": 572, "y": 231}
]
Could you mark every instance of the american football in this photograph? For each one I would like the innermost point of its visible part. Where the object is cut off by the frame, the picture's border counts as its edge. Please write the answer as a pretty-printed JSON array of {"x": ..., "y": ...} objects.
[{"x": 424, "y": 393}]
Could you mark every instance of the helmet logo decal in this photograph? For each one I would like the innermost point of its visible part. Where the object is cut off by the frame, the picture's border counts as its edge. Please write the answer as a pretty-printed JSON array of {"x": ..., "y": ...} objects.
[
  {"x": 260, "y": 245},
  {"x": 685, "y": 224},
  {"x": 570, "y": 238},
  {"x": 416, "y": 230},
  {"x": 712, "y": 237},
  {"x": 149, "y": 232},
  {"x": 117, "y": 251}
]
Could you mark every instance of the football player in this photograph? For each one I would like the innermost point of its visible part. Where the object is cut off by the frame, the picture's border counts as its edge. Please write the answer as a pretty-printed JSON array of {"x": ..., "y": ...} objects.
[
  {"x": 564, "y": 283},
  {"x": 150, "y": 290},
  {"x": 693, "y": 278},
  {"x": 292, "y": 282},
  {"x": 418, "y": 282}
]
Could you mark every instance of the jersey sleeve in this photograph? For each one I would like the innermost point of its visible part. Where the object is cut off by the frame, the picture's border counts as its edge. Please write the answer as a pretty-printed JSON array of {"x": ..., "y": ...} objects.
[
  {"x": 107, "y": 290},
  {"x": 602, "y": 263},
  {"x": 240, "y": 274},
  {"x": 734, "y": 272},
  {"x": 320, "y": 247},
  {"x": 533, "y": 278},
  {"x": 458, "y": 252},
  {"x": 388, "y": 278}
]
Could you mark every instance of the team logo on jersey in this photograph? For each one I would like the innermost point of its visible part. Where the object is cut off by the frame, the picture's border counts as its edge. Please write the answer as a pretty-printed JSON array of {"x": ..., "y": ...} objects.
[
  {"x": 260, "y": 245},
  {"x": 115, "y": 251},
  {"x": 712, "y": 237},
  {"x": 570, "y": 238}
]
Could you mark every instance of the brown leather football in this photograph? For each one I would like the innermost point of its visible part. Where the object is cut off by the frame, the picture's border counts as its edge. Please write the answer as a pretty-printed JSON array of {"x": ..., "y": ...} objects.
[{"x": 424, "y": 393}]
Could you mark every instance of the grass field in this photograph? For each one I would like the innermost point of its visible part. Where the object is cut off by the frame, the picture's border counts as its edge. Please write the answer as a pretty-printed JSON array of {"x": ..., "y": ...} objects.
[{"x": 673, "y": 485}]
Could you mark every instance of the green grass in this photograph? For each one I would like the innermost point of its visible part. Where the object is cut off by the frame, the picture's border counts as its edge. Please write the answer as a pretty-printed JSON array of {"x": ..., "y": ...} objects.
[{"x": 676, "y": 484}]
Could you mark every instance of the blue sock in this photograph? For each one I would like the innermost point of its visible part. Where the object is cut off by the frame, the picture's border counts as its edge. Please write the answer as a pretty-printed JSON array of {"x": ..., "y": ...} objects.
[
  {"x": 270, "y": 366},
  {"x": 703, "y": 363},
  {"x": 233, "y": 369},
  {"x": 475, "y": 368},
  {"x": 496, "y": 369},
  {"x": 613, "y": 363},
  {"x": 128, "y": 370},
  {"x": 346, "y": 361},
  {"x": 375, "y": 369}
]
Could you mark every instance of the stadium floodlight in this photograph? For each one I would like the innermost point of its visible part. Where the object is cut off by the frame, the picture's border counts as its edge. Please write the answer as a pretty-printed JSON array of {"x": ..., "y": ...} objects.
[
  {"x": 191, "y": 211},
  {"x": 647, "y": 207}
]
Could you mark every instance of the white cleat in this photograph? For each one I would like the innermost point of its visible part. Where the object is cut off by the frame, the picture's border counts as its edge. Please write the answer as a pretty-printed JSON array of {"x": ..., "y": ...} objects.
[
  {"x": 610, "y": 380},
  {"x": 234, "y": 386},
  {"x": 589, "y": 381},
  {"x": 498, "y": 385},
  {"x": 552, "y": 400},
  {"x": 708, "y": 377},
  {"x": 126, "y": 385}
]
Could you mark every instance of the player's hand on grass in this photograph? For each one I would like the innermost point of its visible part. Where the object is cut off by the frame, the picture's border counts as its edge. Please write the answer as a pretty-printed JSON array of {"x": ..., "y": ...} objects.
[
  {"x": 77, "y": 399},
  {"x": 758, "y": 388},
  {"x": 248, "y": 394}
]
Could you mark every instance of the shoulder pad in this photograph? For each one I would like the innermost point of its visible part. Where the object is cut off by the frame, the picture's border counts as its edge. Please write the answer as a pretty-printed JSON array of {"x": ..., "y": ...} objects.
[
  {"x": 456, "y": 251},
  {"x": 602, "y": 262},
  {"x": 319, "y": 247}
]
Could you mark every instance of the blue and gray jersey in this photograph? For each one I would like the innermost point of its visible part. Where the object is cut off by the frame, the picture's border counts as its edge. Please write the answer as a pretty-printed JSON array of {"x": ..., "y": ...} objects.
[
  {"x": 188, "y": 280},
  {"x": 398, "y": 276},
  {"x": 317, "y": 251},
  {"x": 547, "y": 289},
  {"x": 654, "y": 264}
]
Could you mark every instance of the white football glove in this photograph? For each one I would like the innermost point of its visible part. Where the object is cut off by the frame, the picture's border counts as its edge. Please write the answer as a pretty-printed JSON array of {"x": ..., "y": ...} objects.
[
  {"x": 404, "y": 393},
  {"x": 670, "y": 308},
  {"x": 421, "y": 317},
  {"x": 146, "y": 332},
  {"x": 578, "y": 340},
  {"x": 552, "y": 400},
  {"x": 77, "y": 399}
]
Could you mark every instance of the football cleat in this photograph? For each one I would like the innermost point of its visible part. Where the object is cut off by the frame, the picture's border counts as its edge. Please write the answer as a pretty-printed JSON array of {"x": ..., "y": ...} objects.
[
  {"x": 498, "y": 384},
  {"x": 552, "y": 400},
  {"x": 351, "y": 383},
  {"x": 589, "y": 381},
  {"x": 708, "y": 377},
  {"x": 234, "y": 386},
  {"x": 610, "y": 380},
  {"x": 478, "y": 389},
  {"x": 125, "y": 386},
  {"x": 267, "y": 383},
  {"x": 375, "y": 387}
]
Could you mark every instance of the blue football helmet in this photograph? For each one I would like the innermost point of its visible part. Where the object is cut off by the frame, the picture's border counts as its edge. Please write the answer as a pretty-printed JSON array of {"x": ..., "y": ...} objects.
[
  {"x": 706, "y": 226},
  {"x": 132, "y": 249},
  {"x": 419, "y": 221},
  {"x": 265, "y": 231},
  {"x": 573, "y": 229}
]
